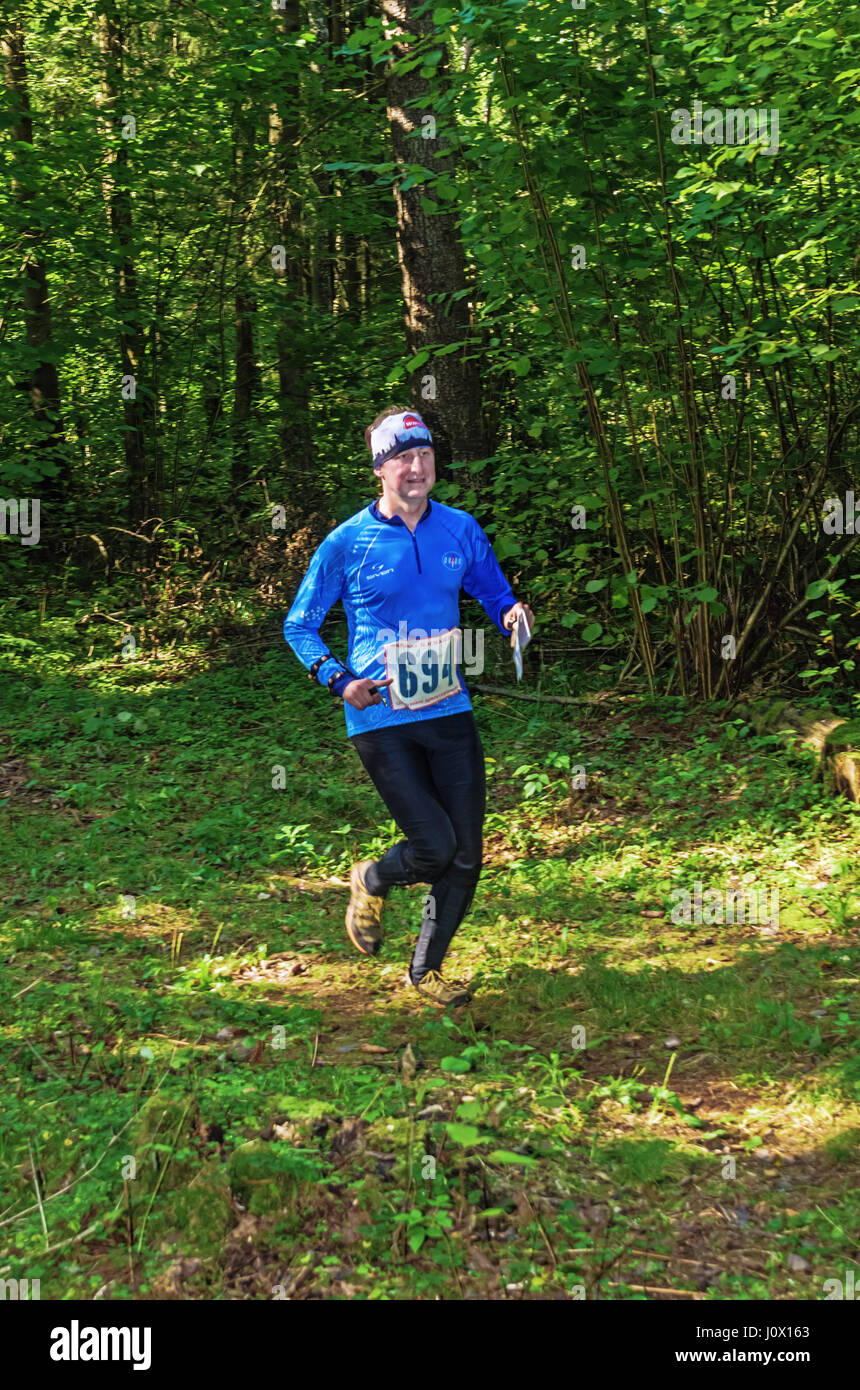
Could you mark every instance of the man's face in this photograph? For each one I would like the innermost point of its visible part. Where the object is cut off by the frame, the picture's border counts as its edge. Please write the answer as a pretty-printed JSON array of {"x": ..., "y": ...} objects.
[{"x": 410, "y": 475}]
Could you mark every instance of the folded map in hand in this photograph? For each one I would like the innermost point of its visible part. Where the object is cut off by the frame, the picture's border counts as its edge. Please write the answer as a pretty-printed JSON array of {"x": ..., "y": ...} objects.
[{"x": 522, "y": 637}]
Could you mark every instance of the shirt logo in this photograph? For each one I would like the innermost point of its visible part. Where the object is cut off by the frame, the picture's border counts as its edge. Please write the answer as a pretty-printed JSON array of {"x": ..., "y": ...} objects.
[{"x": 452, "y": 561}]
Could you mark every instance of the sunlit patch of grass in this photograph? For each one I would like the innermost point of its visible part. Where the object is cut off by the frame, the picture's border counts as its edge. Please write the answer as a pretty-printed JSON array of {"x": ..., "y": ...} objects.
[{"x": 696, "y": 1040}]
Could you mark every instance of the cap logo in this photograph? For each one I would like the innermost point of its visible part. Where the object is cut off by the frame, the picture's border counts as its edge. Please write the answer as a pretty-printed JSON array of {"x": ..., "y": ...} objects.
[{"x": 395, "y": 434}]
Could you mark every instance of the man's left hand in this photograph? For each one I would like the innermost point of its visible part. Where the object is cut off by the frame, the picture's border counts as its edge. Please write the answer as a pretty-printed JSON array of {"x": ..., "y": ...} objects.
[{"x": 510, "y": 619}]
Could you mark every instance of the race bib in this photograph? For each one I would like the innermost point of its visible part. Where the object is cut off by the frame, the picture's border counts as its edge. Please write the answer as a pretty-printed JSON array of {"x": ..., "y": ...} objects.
[{"x": 424, "y": 671}]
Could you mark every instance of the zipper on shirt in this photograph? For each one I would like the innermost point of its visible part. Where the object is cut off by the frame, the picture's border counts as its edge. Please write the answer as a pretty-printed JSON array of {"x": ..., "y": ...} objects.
[{"x": 417, "y": 555}]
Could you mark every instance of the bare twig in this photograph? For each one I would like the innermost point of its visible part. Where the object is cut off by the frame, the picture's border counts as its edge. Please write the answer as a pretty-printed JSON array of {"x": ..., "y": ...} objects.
[
  {"x": 554, "y": 699},
  {"x": 38, "y": 1193},
  {"x": 162, "y": 1173},
  {"x": 652, "y": 1288},
  {"x": 42, "y": 1059},
  {"x": 26, "y": 988},
  {"x": 59, "y": 1193}
]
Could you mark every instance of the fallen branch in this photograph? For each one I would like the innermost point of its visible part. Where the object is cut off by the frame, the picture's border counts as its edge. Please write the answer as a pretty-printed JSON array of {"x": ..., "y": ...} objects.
[
  {"x": 832, "y": 740},
  {"x": 49, "y": 1249},
  {"x": 102, "y": 618},
  {"x": 554, "y": 699},
  {"x": 652, "y": 1288}
]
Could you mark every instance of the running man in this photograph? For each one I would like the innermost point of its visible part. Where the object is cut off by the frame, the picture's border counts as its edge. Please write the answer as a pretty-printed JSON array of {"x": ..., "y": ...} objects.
[{"x": 398, "y": 566}]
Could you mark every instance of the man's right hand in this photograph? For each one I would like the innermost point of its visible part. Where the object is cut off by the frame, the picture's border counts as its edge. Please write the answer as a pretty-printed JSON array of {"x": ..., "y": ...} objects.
[{"x": 358, "y": 693}]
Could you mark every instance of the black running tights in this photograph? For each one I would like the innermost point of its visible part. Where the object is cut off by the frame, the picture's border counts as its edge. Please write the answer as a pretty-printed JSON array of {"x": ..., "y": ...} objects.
[{"x": 430, "y": 774}]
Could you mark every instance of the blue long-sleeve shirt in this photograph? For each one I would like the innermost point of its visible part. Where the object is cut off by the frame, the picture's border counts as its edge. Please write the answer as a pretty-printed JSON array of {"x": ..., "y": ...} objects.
[{"x": 392, "y": 582}]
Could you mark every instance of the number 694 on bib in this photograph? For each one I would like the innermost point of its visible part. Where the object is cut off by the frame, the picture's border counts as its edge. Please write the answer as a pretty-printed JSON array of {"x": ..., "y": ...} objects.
[{"x": 423, "y": 671}]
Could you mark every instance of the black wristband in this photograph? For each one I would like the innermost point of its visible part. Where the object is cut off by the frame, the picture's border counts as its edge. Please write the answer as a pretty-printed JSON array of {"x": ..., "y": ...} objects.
[{"x": 320, "y": 661}]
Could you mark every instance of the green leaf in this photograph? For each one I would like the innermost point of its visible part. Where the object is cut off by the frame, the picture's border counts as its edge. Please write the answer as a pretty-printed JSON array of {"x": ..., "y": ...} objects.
[
  {"x": 816, "y": 589},
  {"x": 458, "y": 1065},
  {"x": 592, "y": 632},
  {"x": 418, "y": 360},
  {"x": 464, "y": 1134},
  {"x": 507, "y": 1156},
  {"x": 595, "y": 585},
  {"x": 505, "y": 546},
  {"x": 845, "y": 735}
]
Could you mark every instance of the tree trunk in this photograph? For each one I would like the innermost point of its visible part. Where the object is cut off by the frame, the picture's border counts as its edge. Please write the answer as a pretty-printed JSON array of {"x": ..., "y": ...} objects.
[
  {"x": 41, "y": 381},
  {"x": 143, "y": 501},
  {"x": 322, "y": 248},
  {"x": 446, "y": 390},
  {"x": 295, "y": 465},
  {"x": 247, "y": 374},
  {"x": 245, "y": 392}
]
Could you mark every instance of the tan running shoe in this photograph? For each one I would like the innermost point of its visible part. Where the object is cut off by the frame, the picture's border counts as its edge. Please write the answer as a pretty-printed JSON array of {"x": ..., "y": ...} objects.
[
  {"x": 364, "y": 914},
  {"x": 438, "y": 991}
]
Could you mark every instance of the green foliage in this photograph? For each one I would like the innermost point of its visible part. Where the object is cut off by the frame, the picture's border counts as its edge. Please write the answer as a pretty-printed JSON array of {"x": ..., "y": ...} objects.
[
  {"x": 704, "y": 486},
  {"x": 173, "y": 1037},
  {"x": 195, "y": 1067}
]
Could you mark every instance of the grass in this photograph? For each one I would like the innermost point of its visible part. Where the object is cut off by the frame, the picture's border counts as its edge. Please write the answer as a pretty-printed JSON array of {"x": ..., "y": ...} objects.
[{"x": 208, "y": 1094}]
